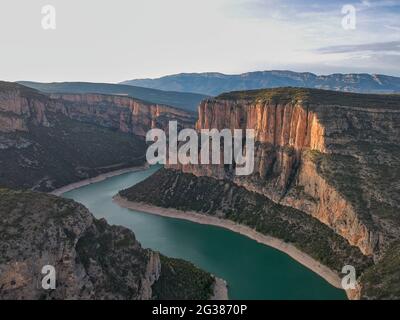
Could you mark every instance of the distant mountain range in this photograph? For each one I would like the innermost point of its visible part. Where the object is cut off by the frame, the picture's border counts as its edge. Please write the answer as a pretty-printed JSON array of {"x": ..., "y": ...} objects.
[
  {"x": 182, "y": 100},
  {"x": 216, "y": 83}
]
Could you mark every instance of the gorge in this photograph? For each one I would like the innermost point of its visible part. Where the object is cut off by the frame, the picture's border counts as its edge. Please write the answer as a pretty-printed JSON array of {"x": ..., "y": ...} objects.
[
  {"x": 325, "y": 182},
  {"x": 251, "y": 269},
  {"x": 50, "y": 141},
  {"x": 321, "y": 156}
]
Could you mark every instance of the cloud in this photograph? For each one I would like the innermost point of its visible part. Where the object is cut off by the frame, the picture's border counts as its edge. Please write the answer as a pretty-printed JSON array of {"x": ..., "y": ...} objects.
[
  {"x": 158, "y": 37},
  {"x": 391, "y": 46},
  {"x": 390, "y": 27}
]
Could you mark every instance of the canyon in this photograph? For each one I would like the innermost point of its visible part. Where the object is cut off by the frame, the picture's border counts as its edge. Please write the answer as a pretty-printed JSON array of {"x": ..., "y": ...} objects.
[
  {"x": 50, "y": 140},
  {"x": 92, "y": 259},
  {"x": 325, "y": 177},
  {"x": 181, "y": 100},
  {"x": 20, "y": 106},
  {"x": 334, "y": 156},
  {"x": 293, "y": 133}
]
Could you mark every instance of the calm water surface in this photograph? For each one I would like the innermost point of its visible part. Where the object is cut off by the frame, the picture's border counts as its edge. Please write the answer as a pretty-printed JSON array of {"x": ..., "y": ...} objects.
[{"x": 252, "y": 270}]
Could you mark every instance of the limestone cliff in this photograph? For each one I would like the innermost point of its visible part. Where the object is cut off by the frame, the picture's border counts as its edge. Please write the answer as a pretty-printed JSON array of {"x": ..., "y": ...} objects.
[
  {"x": 121, "y": 113},
  {"x": 50, "y": 141},
  {"x": 331, "y": 155},
  {"x": 20, "y": 106}
]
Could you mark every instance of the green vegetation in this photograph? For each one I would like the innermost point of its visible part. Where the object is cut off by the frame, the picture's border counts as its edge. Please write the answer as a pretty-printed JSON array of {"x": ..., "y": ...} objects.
[
  {"x": 49, "y": 157},
  {"x": 382, "y": 280},
  {"x": 343, "y": 173},
  {"x": 94, "y": 260},
  {"x": 181, "y": 280},
  {"x": 368, "y": 179},
  {"x": 171, "y": 189}
]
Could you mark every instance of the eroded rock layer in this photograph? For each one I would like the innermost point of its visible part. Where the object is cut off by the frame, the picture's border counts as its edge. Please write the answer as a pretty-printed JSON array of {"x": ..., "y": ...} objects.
[
  {"x": 331, "y": 155},
  {"x": 49, "y": 141}
]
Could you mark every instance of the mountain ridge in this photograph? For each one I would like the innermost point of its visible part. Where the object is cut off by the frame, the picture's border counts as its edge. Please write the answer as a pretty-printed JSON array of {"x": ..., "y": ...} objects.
[{"x": 214, "y": 83}]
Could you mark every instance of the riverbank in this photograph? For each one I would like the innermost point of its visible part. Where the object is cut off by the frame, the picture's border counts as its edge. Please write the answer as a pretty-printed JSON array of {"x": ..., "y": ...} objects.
[
  {"x": 220, "y": 290},
  {"x": 101, "y": 177},
  {"x": 312, "y": 264}
]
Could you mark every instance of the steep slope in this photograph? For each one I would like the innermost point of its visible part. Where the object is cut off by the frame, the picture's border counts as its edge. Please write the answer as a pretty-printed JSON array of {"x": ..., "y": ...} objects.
[
  {"x": 339, "y": 151},
  {"x": 224, "y": 199},
  {"x": 186, "y": 101},
  {"x": 92, "y": 259},
  {"x": 120, "y": 113},
  {"x": 216, "y": 83},
  {"x": 334, "y": 156},
  {"x": 49, "y": 141}
]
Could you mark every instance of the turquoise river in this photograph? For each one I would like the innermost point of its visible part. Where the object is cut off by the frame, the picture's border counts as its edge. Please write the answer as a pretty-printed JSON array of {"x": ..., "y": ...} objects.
[{"x": 252, "y": 270}]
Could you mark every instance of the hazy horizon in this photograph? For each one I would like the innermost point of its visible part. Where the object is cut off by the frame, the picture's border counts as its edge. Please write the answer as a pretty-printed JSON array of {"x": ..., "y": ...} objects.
[
  {"x": 110, "y": 42},
  {"x": 203, "y": 72}
]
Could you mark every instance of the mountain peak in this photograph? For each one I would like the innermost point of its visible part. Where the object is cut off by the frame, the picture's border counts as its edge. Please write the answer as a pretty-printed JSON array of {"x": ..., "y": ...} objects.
[{"x": 214, "y": 83}]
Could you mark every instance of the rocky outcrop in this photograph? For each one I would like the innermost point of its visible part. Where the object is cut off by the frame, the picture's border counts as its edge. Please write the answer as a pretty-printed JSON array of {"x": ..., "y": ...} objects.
[
  {"x": 121, "y": 113},
  {"x": 305, "y": 136},
  {"x": 91, "y": 259},
  {"x": 20, "y": 106},
  {"x": 50, "y": 141},
  {"x": 324, "y": 202}
]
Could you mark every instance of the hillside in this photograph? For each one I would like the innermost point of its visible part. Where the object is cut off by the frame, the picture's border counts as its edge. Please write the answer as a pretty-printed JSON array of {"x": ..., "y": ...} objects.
[
  {"x": 92, "y": 259},
  {"x": 185, "y": 101},
  {"x": 47, "y": 142},
  {"x": 206, "y": 195},
  {"x": 332, "y": 156},
  {"x": 214, "y": 84}
]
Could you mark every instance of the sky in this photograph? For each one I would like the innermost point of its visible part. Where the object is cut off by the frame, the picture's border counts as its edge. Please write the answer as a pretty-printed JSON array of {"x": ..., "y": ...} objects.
[{"x": 117, "y": 40}]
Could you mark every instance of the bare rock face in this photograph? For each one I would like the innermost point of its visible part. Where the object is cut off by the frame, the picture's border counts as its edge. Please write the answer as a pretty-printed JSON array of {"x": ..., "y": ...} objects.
[
  {"x": 121, "y": 113},
  {"x": 49, "y": 141},
  {"x": 331, "y": 155},
  {"x": 20, "y": 106}
]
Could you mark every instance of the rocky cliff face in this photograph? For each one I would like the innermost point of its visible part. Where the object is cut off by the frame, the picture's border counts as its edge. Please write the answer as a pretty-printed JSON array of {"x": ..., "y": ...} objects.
[
  {"x": 121, "y": 113},
  {"x": 92, "y": 259},
  {"x": 331, "y": 155},
  {"x": 49, "y": 141},
  {"x": 20, "y": 106}
]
